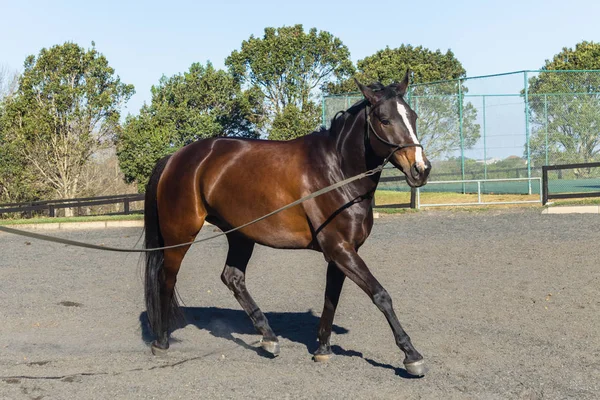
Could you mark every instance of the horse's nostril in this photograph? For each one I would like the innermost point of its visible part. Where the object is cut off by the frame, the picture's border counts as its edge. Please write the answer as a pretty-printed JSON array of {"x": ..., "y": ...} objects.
[{"x": 415, "y": 171}]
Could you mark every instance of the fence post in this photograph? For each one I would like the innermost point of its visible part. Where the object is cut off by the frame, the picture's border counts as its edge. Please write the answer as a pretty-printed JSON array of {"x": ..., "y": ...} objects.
[
  {"x": 461, "y": 133},
  {"x": 544, "y": 185},
  {"x": 51, "y": 211},
  {"x": 413, "y": 197},
  {"x": 323, "y": 121},
  {"x": 546, "y": 123},
  {"x": 526, "y": 84},
  {"x": 484, "y": 143},
  {"x": 126, "y": 206}
]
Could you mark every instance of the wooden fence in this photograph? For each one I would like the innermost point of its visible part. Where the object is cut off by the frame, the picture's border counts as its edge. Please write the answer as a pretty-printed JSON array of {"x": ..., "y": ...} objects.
[{"x": 50, "y": 207}]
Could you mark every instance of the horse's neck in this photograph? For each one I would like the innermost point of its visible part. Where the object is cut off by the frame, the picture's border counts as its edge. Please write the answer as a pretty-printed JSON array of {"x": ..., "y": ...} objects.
[{"x": 356, "y": 155}]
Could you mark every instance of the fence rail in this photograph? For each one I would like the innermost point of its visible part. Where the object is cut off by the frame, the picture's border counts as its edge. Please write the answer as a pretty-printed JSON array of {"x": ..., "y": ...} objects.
[
  {"x": 479, "y": 192},
  {"x": 51, "y": 206}
]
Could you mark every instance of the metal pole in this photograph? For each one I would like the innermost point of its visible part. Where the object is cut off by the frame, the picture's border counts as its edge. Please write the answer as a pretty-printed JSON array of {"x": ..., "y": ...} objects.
[
  {"x": 484, "y": 143},
  {"x": 323, "y": 111},
  {"x": 527, "y": 128},
  {"x": 460, "y": 131},
  {"x": 417, "y": 112},
  {"x": 546, "y": 123}
]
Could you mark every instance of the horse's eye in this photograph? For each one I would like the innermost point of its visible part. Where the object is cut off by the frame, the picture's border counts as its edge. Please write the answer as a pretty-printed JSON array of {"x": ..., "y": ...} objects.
[{"x": 385, "y": 121}]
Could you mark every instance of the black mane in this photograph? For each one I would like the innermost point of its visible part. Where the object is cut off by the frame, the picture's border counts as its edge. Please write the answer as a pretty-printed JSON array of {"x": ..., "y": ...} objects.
[{"x": 337, "y": 121}]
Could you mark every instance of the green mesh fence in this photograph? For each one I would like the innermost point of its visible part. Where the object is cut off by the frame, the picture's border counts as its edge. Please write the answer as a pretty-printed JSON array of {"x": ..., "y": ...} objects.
[
  {"x": 576, "y": 180},
  {"x": 501, "y": 126}
]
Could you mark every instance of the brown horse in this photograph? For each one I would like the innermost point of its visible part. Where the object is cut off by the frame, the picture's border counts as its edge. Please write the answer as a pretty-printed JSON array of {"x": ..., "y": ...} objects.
[{"x": 231, "y": 181}]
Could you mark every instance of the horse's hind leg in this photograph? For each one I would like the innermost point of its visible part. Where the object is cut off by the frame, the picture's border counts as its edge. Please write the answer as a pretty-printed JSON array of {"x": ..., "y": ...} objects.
[
  {"x": 169, "y": 308},
  {"x": 335, "y": 281},
  {"x": 240, "y": 251}
]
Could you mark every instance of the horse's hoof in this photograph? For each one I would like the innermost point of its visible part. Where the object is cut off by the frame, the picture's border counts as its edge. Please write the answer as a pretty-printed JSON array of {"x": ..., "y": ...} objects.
[
  {"x": 157, "y": 351},
  {"x": 322, "y": 357},
  {"x": 270, "y": 347},
  {"x": 417, "y": 368}
]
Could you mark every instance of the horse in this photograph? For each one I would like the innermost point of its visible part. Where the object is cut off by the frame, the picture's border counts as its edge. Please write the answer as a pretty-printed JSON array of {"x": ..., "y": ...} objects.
[{"x": 231, "y": 181}]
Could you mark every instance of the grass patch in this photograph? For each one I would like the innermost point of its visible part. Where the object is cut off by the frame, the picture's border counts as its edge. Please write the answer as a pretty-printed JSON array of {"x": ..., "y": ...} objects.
[
  {"x": 386, "y": 197},
  {"x": 594, "y": 201},
  {"x": 395, "y": 210},
  {"x": 133, "y": 217}
]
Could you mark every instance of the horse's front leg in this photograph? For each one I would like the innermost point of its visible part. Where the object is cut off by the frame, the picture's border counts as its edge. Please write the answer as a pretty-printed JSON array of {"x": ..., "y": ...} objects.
[{"x": 350, "y": 263}]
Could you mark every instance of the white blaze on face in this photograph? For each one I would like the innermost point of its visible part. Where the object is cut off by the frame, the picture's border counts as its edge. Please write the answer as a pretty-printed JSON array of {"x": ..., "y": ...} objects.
[{"x": 418, "y": 151}]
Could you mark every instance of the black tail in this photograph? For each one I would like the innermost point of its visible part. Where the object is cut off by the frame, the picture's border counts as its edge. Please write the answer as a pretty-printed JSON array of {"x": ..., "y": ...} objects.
[{"x": 154, "y": 277}]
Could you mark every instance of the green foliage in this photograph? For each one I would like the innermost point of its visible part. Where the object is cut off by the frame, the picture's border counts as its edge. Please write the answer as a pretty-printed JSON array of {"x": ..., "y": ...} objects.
[
  {"x": 66, "y": 107},
  {"x": 17, "y": 182},
  {"x": 436, "y": 104},
  {"x": 289, "y": 66},
  {"x": 201, "y": 103},
  {"x": 565, "y": 108},
  {"x": 291, "y": 121},
  {"x": 389, "y": 65}
]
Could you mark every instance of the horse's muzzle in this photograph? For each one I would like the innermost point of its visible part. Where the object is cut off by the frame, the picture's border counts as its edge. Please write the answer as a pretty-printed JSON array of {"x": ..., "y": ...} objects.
[{"x": 419, "y": 172}]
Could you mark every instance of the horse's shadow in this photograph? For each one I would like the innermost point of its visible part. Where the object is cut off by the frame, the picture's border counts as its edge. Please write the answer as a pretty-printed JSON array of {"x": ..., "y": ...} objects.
[{"x": 299, "y": 327}]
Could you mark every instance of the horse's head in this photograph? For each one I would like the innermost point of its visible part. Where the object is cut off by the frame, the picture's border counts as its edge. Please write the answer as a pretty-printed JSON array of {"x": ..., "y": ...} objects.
[{"x": 391, "y": 124}]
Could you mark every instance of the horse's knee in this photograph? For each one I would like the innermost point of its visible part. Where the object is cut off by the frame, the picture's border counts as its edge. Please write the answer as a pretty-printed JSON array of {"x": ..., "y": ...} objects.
[
  {"x": 232, "y": 278},
  {"x": 382, "y": 299}
]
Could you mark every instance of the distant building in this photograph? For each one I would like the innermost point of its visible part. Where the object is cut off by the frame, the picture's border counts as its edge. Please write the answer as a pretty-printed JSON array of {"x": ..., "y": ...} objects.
[
  {"x": 517, "y": 158},
  {"x": 489, "y": 161}
]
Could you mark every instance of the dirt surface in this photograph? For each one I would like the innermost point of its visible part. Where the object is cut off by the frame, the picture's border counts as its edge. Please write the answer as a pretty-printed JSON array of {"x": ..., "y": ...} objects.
[{"x": 502, "y": 304}]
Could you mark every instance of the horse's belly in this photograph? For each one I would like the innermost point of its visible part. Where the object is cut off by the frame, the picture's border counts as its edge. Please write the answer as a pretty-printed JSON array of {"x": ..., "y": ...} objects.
[{"x": 288, "y": 229}]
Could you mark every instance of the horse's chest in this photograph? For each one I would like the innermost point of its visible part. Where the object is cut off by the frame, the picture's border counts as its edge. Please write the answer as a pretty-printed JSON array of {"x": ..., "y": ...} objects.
[{"x": 352, "y": 225}]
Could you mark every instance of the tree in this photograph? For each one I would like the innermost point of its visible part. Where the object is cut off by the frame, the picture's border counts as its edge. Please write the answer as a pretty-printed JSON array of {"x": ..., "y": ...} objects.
[
  {"x": 289, "y": 66},
  {"x": 18, "y": 183},
  {"x": 15, "y": 184},
  {"x": 201, "y": 103},
  {"x": 292, "y": 122},
  {"x": 565, "y": 108},
  {"x": 437, "y": 104},
  {"x": 389, "y": 66},
  {"x": 67, "y": 107}
]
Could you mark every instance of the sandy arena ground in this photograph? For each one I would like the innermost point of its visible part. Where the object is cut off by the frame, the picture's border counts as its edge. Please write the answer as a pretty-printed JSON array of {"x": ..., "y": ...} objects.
[{"x": 502, "y": 304}]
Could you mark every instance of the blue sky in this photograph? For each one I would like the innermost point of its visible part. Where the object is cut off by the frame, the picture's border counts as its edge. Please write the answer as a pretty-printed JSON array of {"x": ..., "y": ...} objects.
[{"x": 144, "y": 40}]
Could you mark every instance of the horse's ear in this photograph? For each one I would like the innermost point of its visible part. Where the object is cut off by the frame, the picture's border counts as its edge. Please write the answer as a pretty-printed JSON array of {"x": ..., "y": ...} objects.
[
  {"x": 367, "y": 92},
  {"x": 402, "y": 86}
]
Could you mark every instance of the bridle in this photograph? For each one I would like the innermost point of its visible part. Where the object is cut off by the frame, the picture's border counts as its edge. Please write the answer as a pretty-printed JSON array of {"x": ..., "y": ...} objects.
[{"x": 395, "y": 147}]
